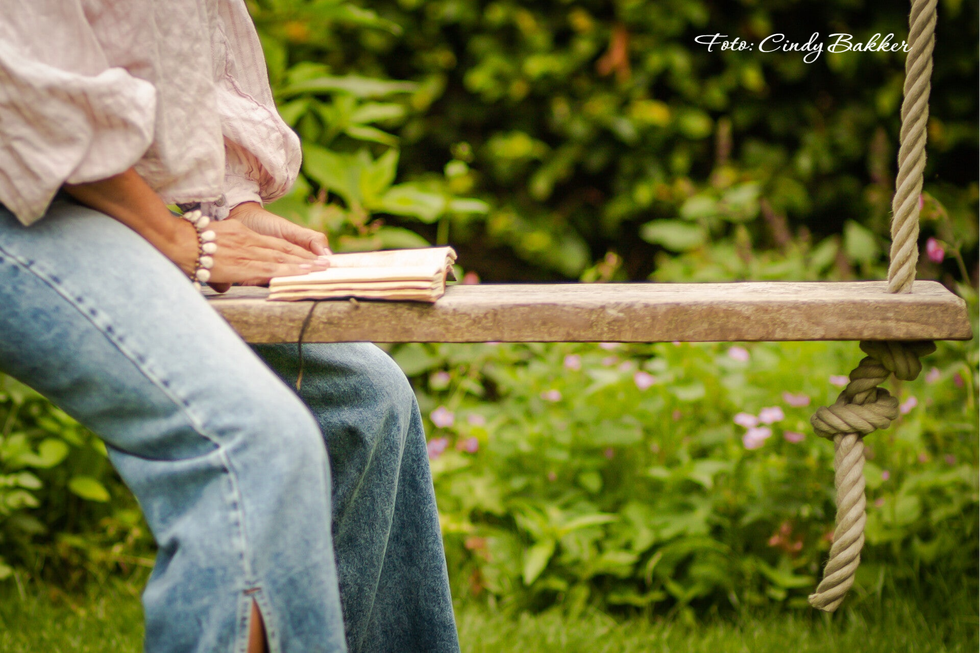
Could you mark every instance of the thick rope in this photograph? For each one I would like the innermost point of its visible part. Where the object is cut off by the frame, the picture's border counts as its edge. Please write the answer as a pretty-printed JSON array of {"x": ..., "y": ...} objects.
[
  {"x": 861, "y": 408},
  {"x": 864, "y": 407},
  {"x": 912, "y": 151}
]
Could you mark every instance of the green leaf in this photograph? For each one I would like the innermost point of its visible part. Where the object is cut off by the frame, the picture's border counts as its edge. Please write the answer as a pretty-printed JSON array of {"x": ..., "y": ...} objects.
[
  {"x": 88, "y": 488},
  {"x": 400, "y": 238},
  {"x": 371, "y": 134},
  {"x": 698, "y": 207},
  {"x": 49, "y": 453},
  {"x": 378, "y": 177},
  {"x": 586, "y": 521},
  {"x": 28, "y": 481},
  {"x": 376, "y": 111},
  {"x": 688, "y": 391},
  {"x": 675, "y": 235},
  {"x": 859, "y": 243},
  {"x": 335, "y": 172},
  {"x": 414, "y": 358},
  {"x": 409, "y": 201},
  {"x": 784, "y": 577},
  {"x": 362, "y": 87},
  {"x": 18, "y": 499},
  {"x": 536, "y": 559},
  {"x": 591, "y": 481},
  {"x": 468, "y": 205},
  {"x": 292, "y": 111}
]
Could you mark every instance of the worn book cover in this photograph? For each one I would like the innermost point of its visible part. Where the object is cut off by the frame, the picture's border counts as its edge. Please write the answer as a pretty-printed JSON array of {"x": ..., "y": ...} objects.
[{"x": 401, "y": 275}]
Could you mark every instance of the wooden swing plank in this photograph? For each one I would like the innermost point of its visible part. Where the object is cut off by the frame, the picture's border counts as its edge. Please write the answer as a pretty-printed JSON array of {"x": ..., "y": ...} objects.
[{"x": 615, "y": 312}]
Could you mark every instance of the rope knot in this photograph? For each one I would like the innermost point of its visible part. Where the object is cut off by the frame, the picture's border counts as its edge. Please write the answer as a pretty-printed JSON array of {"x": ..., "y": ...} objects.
[{"x": 862, "y": 407}]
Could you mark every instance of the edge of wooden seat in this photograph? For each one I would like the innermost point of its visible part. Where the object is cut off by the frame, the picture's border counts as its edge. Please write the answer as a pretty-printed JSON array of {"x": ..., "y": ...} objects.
[{"x": 623, "y": 312}]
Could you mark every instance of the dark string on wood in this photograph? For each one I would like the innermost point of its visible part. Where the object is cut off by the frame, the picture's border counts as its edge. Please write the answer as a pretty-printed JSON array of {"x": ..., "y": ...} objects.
[{"x": 299, "y": 344}]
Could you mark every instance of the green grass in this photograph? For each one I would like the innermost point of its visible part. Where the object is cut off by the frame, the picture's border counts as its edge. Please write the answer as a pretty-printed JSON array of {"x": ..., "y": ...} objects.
[{"x": 35, "y": 619}]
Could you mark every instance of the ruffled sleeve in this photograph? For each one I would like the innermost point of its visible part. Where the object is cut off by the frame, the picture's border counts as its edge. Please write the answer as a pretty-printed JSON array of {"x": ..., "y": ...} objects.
[
  {"x": 262, "y": 154},
  {"x": 66, "y": 116}
]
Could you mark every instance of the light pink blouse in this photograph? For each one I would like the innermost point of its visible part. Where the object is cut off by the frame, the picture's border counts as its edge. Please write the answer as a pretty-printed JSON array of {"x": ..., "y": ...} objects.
[{"x": 178, "y": 88}]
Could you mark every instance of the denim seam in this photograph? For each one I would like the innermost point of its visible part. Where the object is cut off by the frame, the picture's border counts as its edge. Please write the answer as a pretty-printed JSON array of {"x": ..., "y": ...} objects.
[
  {"x": 178, "y": 402},
  {"x": 384, "y": 553}
]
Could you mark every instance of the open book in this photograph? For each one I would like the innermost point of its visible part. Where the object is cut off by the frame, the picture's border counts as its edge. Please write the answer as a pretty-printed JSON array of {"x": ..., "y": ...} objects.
[{"x": 400, "y": 274}]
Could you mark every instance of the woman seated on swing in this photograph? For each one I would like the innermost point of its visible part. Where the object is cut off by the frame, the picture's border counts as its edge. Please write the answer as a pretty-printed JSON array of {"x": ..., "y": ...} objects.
[{"x": 297, "y": 521}]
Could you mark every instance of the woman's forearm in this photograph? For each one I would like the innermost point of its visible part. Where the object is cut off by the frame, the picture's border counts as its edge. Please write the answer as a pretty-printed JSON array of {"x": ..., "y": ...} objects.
[
  {"x": 243, "y": 255},
  {"x": 130, "y": 200}
]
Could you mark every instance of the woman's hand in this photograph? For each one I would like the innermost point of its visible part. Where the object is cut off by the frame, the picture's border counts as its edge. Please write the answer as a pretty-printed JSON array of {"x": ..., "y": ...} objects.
[
  {"x": 247, "y": 257},
  {"x": 253, "y": 216}
]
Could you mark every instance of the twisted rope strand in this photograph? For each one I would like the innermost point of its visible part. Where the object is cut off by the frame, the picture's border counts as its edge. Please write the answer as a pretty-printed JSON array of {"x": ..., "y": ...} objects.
[{"x": 912, "y": 153}]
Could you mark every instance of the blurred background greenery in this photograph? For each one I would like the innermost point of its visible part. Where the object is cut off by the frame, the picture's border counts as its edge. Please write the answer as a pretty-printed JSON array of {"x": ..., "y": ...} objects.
[{"x": 597, "y": 141}]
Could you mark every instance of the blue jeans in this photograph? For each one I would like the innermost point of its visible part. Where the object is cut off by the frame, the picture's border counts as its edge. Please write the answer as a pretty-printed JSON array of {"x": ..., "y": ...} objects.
[{"x": 319, "y": 507}]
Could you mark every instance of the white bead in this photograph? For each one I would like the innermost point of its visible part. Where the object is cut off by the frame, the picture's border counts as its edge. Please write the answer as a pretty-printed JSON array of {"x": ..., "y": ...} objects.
[
  {"x": 208, "y": 236},
  {"x": 191, "y": 216},
  {"x": 206, "y": 262},
  {"x": 202, "y": 222},
  {"x": 203, "y": 275},
  {"x": 209, "y": 248}
]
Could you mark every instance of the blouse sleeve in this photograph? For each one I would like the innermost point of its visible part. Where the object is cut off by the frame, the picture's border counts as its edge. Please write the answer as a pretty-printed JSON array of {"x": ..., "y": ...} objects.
[
  {"x": 65, "y": 115},
  {"x": 262, "y": 154}
]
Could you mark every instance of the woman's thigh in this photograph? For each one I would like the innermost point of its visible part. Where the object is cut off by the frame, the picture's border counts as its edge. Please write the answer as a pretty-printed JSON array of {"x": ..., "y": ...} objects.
[{"x": 229, "y": 465}]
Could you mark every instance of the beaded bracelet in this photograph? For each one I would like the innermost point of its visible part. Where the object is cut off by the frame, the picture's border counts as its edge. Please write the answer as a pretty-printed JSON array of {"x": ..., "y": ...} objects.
[{"x": 206, "y": 247}]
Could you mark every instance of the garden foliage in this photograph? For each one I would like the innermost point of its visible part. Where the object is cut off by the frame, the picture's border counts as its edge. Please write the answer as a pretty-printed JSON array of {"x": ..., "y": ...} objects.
[{"x": 597, "y": 141}]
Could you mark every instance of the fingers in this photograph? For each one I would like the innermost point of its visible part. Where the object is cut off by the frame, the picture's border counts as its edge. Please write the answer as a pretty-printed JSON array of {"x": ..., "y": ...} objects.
[
  {"x": 244, "y": 256},
  {"x": 309, "y": 239}
]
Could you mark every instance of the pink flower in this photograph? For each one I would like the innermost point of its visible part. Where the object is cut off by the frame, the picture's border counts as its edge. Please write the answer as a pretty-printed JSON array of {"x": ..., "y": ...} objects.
[
  {"x": 906, "y": 406},
  {"x": 922, "y": 201},
  {"x": 573, "y": 362},
  {"x": 552, "y": 477},
  {"x": 676, "y": 343},
  {"x": 879, "y": 502},
  {"x": 436, "y": 447},
  {"x": 440, "y": 380},
  {"x": 471, "y": 278},
  {"x": 442, "y": 418},
  {"x": 476, "y": 420},
  {"x": 950, "y": 459},
  {"x": 796, "y": 401},
  {"x": 739, "y": 354},
  {"x": 625, "y": 366},
  {"x": 609, "y": 453},
  {"x": 771, "y": 414},
  {"x": 958, "y": 380},
  {"x": 885, "y": 475},
  {"x": 933, "y": 375},
  {"x": 923, "y": 457},
  {"x": 609, "y": 361},
  {"x": 676, "y": 415},
  {"x": 746, "y": 420},
  {"x": 839, "y": 380},
  {"x": 935, "y": 251},
  {"x": 643, "y": 380},
  {"x": 469, "y": 445},
  {"x": 609, "y": 346},
  {"x": 793, "y": 436},
  {"x": 551, "y": 395},
  {"x": 756, "y": 437}
]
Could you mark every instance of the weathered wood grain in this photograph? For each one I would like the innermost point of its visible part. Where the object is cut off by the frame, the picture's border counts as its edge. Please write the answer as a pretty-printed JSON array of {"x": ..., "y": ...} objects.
[{"x": 616, "y": 312}]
